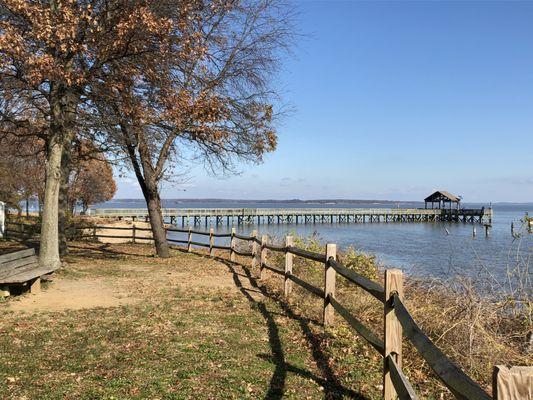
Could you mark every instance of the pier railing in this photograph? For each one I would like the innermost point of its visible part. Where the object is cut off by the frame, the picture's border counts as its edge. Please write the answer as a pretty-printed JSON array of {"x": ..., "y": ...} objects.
[{"x": 398, "y": 324}]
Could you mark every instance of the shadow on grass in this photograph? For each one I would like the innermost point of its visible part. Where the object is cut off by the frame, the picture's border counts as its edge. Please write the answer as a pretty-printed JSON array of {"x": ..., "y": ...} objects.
[
  {"x": 101, "y": 251},
  {"x": 333, "y": 389}
]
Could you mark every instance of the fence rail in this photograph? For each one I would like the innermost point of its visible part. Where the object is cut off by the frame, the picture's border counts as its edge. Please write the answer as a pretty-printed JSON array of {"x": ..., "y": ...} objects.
[{"x": 398, "y": 321}]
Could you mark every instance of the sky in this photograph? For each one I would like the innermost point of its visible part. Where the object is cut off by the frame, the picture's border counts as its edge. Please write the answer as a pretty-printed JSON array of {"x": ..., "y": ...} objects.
[{"x": 393, "y": 100}]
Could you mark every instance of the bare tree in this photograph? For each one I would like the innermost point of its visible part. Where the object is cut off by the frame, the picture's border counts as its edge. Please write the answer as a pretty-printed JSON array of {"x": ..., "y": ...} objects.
[{"x": 210, "y": 99}]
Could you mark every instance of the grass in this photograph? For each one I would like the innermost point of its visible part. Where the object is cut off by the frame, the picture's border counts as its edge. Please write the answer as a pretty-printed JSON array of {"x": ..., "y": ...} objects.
[{"x": 179, "y": 341}]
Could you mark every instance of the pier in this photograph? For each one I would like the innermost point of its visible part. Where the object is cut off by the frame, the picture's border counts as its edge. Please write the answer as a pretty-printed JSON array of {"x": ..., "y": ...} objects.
[{"x": 243, "y": 216}]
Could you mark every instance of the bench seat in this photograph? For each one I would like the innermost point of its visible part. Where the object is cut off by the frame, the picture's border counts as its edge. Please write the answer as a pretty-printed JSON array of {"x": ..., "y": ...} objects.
[{"x": 21, "y": 267}]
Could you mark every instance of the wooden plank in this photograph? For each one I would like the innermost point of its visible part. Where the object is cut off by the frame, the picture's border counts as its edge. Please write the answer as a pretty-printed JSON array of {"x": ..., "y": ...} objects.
[
  {"x": 28, "y": 275},
  {"x": 17, "y": 254},
  {"x": 289, "y": 241},
  {"x": 392, "y": 330},
  {"x": 222, "y": 234},
  {"x": 6, "y": 274},
  {"x": 515, "y": 383},
  {"x": 15, "y": 264},
  {"x": 401, "y": 384},
  {"x": 374, "y": 288},
  {"x": 460, "y": 384},
  {"x": 242, "y": 237},
  {"x": 330, "y": 277},
  {"x": 311, "y": 255},
  {"x": 272, "y": 247}
]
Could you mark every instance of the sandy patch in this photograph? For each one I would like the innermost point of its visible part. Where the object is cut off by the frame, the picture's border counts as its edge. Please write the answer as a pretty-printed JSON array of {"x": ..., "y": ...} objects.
[
  {"x": 125, "y": 229},
  {"x": 66, "y": 294},
  {"x": 90, "y": 280}
]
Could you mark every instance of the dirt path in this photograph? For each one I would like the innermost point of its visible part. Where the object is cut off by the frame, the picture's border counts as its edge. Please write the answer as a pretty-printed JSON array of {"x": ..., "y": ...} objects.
[
  {"x": 69, "y": 294},
  {"x": 83, "y": 284}
]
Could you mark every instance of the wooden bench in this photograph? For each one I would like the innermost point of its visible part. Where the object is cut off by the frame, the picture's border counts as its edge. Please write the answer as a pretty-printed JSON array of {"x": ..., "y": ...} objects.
[{"x": 21, "y": 268}]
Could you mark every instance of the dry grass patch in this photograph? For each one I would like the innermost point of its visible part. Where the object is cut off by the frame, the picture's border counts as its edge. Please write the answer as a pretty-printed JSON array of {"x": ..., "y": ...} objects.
[{"x": 199, "y": 329}]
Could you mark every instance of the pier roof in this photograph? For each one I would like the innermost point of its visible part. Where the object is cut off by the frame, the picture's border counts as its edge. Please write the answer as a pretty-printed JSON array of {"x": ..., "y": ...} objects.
[{"x": 442, "y": 195}]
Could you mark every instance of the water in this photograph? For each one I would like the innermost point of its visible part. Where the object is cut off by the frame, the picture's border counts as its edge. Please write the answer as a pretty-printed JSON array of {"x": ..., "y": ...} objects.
[{"x": 437, "y": 249}]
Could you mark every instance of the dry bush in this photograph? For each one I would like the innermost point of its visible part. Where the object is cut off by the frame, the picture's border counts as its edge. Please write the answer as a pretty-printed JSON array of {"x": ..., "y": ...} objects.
[{"x": 475, "y": 322}]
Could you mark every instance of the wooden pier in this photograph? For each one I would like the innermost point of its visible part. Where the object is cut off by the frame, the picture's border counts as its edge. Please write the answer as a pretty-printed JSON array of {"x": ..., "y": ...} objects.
[{"x": 242, "y": 216}]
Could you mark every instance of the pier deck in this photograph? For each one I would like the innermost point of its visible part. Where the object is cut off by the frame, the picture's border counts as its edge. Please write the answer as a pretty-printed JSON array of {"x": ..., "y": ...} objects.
[{"x": 240, "y": 216}]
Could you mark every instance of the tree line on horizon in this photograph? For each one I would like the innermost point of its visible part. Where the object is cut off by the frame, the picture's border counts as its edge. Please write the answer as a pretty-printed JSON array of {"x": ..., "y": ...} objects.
[{"x": 149, "y": 86}]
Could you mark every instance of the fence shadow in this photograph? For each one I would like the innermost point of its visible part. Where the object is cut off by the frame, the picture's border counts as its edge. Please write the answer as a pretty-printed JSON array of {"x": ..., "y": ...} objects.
[{"x": 333, "y": 389}]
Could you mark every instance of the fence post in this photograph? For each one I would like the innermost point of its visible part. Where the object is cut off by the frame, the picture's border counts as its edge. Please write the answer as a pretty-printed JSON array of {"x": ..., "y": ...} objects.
[
  {"x": 262, "y": 270},
  {"x": 289, "y": 241},
  {"x": 133, "y": 233},
  {"x": 254, "y": 249},
  {"x": 329, "y": 283},
  {"x": 211, "y": 242},
  {"x": 392, "y": 330},
  {"x": 189, "y": 240},
  {"x": 513, "y": 383},
  {"x": 232, "y": 246},
  {"x": 2, "y": 219},
  {"x": 94, "y": 233}
]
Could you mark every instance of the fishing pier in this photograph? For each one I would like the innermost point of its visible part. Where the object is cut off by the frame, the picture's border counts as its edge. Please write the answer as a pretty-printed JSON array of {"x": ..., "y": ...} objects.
[{"x": 243, "y": 216}]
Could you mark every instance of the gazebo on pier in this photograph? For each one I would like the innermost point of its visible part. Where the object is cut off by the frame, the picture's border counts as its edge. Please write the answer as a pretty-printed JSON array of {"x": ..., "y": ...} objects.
[{"x": 441, "y": 199}]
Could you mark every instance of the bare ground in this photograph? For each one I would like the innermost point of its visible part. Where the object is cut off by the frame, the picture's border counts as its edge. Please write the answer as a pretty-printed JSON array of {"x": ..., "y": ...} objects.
[{"x": 86, "y": 283}]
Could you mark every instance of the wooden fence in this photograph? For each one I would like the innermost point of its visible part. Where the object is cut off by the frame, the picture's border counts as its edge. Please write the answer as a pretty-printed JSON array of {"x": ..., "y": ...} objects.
[{"x": 398, "y": 322}]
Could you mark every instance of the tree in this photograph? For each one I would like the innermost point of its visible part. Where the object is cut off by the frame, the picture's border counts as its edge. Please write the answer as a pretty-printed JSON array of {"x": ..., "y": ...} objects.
[
  {"x": 208, "y": 98},
  {"x": 21, "y": 174},
  {"x": 91, "y": 183},
  {"x": 53, "y": 57}
]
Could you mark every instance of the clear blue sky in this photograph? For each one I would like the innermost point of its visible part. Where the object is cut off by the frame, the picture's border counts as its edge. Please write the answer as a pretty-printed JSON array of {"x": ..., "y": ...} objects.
[{"x": 395, "y": 99}]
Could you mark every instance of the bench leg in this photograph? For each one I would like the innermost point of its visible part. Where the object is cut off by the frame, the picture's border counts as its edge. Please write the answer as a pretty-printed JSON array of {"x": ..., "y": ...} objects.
[
  {"x": 4, "y": 291},
  {"x": 35, "y": 286}
]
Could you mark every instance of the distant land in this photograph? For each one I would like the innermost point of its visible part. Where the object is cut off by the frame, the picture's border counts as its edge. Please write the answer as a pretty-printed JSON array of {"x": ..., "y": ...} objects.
[
  {"x": 311, "y": 201},
  {"x": 291, "y": 201}
]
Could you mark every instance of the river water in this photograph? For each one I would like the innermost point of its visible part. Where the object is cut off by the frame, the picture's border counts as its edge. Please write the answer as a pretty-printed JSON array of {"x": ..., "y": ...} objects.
[{"x": 438, "y": 249}]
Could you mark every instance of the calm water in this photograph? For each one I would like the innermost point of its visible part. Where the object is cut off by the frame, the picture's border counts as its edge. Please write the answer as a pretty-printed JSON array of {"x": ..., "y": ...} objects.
[{"x": 439, "y": 249}]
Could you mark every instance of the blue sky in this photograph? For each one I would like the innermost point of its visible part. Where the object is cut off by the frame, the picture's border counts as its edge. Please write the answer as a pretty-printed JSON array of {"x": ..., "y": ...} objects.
[{"x": 393, "y": 100}]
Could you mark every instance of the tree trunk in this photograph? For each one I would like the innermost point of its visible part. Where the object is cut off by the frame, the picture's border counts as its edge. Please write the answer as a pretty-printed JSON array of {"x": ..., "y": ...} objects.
[
  {"x": 153, "y": 203},
  {"x": 148, "y": 182},
  {"x": 62, "y": 123},
  {"x": 49, "y": 251},
  {"x": 63, "y": 200}
]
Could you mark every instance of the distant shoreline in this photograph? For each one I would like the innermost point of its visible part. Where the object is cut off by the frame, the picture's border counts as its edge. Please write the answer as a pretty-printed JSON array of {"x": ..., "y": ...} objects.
[
  {"x": 292, "y": 201},
  {"x": 312, "y": 201}
]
